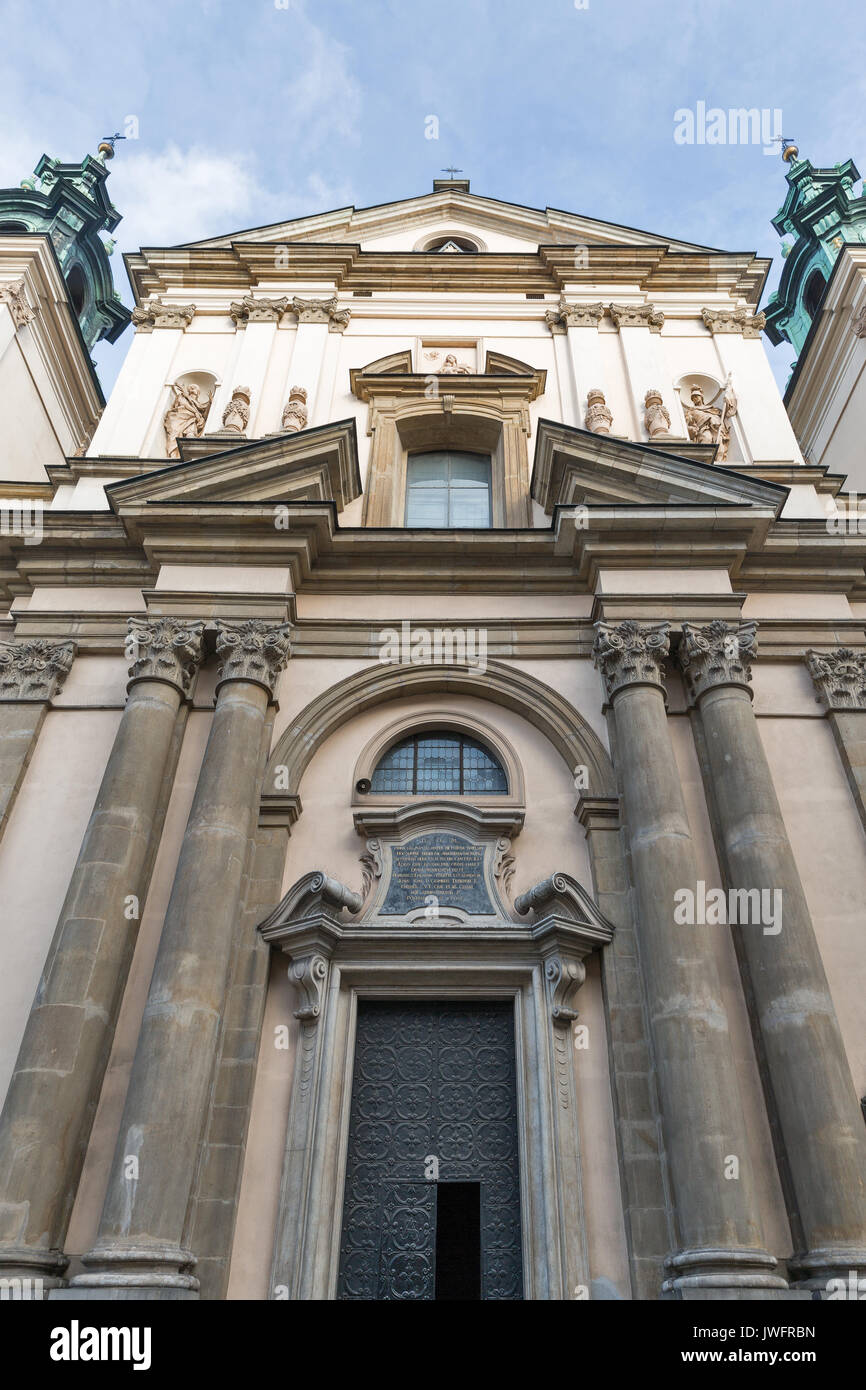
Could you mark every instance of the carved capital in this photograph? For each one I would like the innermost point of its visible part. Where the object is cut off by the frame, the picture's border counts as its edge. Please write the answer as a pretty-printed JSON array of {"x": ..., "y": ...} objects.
[
  {"x": 840, "y": 677},
  {"x": 563, "y": 977},
  {"x": 253, "y": 651},
  {"x": 629, "y": 654},
  {"x": 737, "y": 320},
  {"x": 252, "y": 310},
  {"x": 574, "y": 316},
  {"x": 717, "y": 654},
  {"x": 13, "y": 295},
  {"x": 154, "y": 314},
  {"x": 637, "y": 316},
  {"x": 33, "y": 670},
  {"x": 322, "y": 311},
  {"x": 308, "y": 974},
  {"x": 164, "y": 649}
]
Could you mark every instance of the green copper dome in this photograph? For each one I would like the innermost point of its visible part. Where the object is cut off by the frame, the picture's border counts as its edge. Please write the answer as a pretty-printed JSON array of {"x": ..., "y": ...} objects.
[{"x": 69, "y": 203}]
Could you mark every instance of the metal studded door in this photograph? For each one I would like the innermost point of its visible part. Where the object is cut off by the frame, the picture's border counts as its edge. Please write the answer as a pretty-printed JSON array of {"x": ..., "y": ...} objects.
[{"x": 434, "y": 1089}]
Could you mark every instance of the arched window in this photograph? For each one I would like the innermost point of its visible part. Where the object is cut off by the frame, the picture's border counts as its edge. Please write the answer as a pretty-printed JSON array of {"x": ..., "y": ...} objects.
[
  {"x": 448, "y": 489},
  {"x": 77, "y": 287},
  {"x": 440, "y": 763},
  {"x": 815, "y": 286}
]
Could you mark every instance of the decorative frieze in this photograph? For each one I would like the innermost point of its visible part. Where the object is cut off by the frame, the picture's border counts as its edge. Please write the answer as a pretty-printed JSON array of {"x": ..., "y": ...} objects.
[
  {"x": 13, "y": 295},
  {"x": 153, "y": 313},
  {"x": 840, "y": 677},
  {"x": 322, "y": 311},
  {"x": 34, "y": 670},
  {"x": 598, "y": 418},
  {"x": 637, "y": 316},
  {"x": 718, "y": 654},
  {"x": 568, "y": 315},
  {"x": 252, "y": 310},
  {"x": 164, "y": 649},
  {"x": 630, "y": 654},
  {"x": 738, "y": 320},
  {"x": 253, "y": 650}
]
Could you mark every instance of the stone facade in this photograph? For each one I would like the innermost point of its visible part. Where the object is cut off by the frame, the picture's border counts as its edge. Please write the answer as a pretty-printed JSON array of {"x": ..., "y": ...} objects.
[{"x": 645, "y": 648}]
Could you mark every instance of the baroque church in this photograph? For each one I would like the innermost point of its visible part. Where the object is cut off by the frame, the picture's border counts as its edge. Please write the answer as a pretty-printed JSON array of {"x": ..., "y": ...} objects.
[{"x": 432, "y": 756}]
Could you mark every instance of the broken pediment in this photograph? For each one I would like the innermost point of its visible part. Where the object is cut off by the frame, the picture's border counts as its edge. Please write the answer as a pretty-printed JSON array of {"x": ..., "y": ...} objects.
[
  {"x": 573, "y": 466},
  {"x": 318, "y": 464}
]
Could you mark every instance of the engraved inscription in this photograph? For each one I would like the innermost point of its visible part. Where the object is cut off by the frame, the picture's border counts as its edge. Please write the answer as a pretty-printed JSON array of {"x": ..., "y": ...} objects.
[{"x": 442, "y": 866}]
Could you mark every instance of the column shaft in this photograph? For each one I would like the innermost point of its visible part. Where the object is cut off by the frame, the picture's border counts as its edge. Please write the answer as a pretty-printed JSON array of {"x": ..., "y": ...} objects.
[
  {"x": 702, "y": 1116},
  {"x": 806, "y": 1067},
  {"x": 141, "y": 1232},
  {"x": 52, "y": 1099}
]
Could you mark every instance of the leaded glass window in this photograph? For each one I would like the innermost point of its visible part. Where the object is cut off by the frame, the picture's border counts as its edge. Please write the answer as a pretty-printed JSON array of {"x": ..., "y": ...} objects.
[
  {"x": 448, "y": 489},
  {"x": 440, "y": 764}
]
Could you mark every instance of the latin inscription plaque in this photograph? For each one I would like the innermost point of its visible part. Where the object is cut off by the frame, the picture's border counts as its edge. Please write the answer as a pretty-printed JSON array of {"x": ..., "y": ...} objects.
[{"x": 439, "y": 865}]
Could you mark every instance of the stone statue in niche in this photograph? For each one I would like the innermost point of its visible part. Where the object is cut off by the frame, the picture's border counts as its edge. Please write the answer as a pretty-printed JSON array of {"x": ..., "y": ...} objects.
[
  {"x": 294, "y": 416},
  {"x": 236, "y": 415},
  {"x": 708, "y": 424},
  {"x": 656, "y": 418},
  {"x": 451, "y": 367},
  {"x": 598, "y": 418},
  {"x": 185, "y": 416}
]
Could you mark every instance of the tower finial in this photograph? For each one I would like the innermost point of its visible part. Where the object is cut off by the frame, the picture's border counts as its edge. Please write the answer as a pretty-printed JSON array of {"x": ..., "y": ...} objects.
[
  {"x": 105, "y": 149},
  {"x": 789, "y": 149}
]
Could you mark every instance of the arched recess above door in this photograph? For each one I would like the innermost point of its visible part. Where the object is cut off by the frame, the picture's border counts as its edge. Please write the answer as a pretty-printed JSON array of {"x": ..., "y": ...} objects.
[{"x": 509, "y": 686}]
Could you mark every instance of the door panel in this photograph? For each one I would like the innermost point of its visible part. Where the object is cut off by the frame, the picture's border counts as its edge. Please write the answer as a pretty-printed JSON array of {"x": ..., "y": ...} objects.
[{"x": 432, "y": 1081}]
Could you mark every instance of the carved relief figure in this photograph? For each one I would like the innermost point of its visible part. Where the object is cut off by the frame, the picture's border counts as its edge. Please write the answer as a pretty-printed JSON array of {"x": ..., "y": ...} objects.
[
  {"x": 656, "y": 418},
  {"x": 598, "y": 418},
  {"x": 236, "y": 415},
  {"x": 294, "y": 416},
  {"x": 451, "y": 367},
  {"x": 185, "y": 416},
  {"x": 708, "y": 424}
]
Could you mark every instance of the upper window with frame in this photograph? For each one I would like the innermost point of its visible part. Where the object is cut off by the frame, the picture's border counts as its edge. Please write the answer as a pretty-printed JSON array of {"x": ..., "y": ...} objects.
[
  {"x": 447, "y": 488},
  {"x": 437, "y": 763}
]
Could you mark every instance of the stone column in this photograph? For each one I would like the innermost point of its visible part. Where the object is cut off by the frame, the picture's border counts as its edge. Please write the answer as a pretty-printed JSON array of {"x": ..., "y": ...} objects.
[
  {"x": 806, "y": 1069},
  {"x": 139, "y": 1250},
  {"x": 31, "y": 674},
  {"x": 720, "y": 1238},
  {"x": 840, "y": 679},
  {"x": 55, "y": 1087}
]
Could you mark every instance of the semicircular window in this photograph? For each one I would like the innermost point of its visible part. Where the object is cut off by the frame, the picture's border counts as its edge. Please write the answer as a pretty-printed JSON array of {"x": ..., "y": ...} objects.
[{"x": 440, "y": 763}]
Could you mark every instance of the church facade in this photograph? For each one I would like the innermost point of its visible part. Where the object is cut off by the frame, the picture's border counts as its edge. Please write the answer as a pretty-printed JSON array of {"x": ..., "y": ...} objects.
[{"x": 432, "y": 769}]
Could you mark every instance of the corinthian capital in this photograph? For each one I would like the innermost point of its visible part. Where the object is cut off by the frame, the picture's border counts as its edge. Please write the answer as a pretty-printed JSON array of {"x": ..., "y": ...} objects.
[
  {"x": 164, "y": 649},
  {"x": 253, "y": 650},
  {"x": 13, "y": 295},
  {"x": 322, "y": 311},
  {"x": 252, "y": 310},
  {"x": 737, "y": 320},
  {"x": 718, "y": 654},
  {"x": 154, "y": 314},
  {"x": 840, "y": 677},
  {"x": 33, "y": 670},
  {"x": 637, "y": 316},
  {"x": 628, "y": 654},
  {"x": 574, "y": 316}
]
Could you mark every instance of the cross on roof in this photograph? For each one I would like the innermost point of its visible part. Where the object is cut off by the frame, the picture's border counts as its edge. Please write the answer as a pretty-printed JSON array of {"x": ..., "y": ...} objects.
[{"x": 452, "y": 171}]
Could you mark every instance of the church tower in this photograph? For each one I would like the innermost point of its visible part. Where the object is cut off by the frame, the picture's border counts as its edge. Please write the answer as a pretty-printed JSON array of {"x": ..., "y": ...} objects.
[
  {"x": 70, "y": 204},
  {"x": 821, "y": 212}
]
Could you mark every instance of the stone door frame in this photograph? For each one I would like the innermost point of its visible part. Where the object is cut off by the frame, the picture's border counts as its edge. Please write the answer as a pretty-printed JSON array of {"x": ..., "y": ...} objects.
[{"x": 538, "y": 968}]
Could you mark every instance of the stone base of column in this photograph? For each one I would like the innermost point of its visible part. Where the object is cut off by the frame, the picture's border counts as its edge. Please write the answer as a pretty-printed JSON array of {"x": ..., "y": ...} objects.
[
  {"x": 26, "y": 1262},
  {"x": 723, "y": 1273},
  {"x": 142, "y": 1271},
  {"x": 815, "y": 1269}
]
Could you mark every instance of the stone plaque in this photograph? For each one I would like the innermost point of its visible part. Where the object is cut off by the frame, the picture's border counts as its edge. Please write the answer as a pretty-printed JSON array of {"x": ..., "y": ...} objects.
[{"x": 440, "y": 865}]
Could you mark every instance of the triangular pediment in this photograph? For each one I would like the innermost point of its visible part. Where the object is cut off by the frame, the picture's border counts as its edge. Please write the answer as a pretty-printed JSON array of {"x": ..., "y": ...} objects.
[
  {"x": 574, "y": 467},
  {"x": 316, "y": 465}
]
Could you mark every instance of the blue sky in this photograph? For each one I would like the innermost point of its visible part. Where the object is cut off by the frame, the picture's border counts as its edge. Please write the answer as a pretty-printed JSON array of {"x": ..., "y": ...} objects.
[{"x": 250, "y": 111}]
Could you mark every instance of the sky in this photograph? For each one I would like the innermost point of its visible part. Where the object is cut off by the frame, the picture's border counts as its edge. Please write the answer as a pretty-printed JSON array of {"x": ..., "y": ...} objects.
[{"x": 247, "y": 112}]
